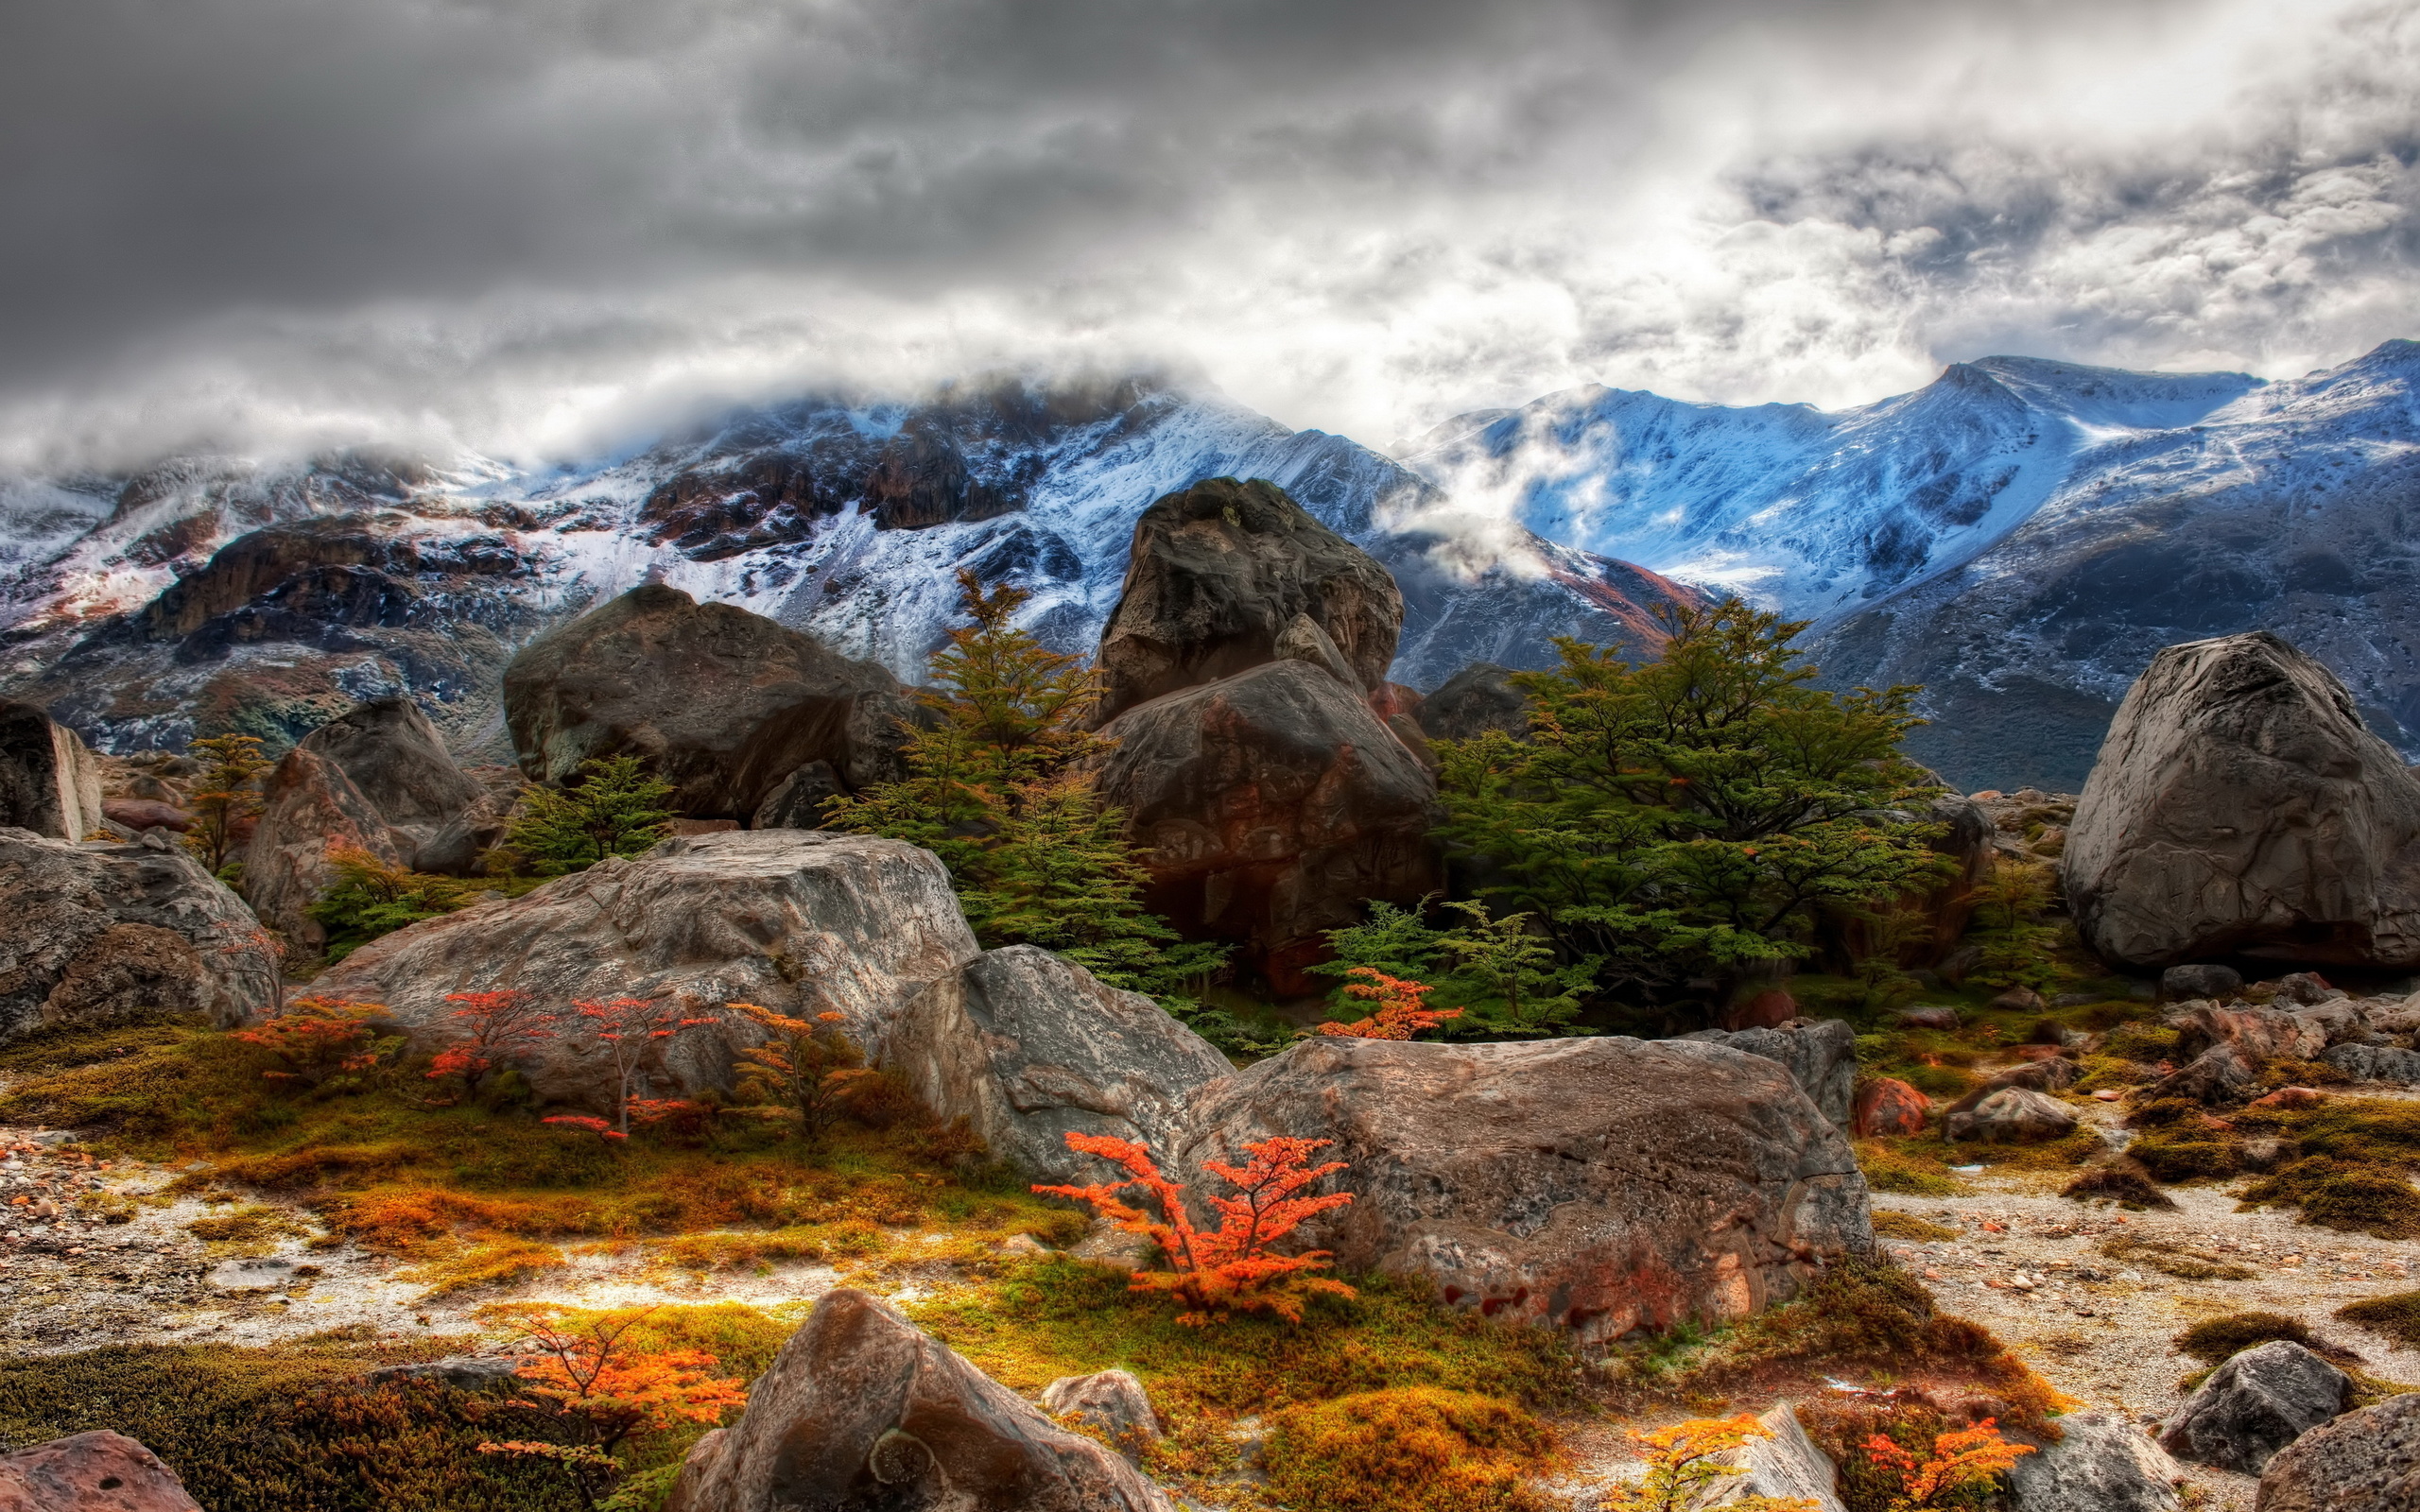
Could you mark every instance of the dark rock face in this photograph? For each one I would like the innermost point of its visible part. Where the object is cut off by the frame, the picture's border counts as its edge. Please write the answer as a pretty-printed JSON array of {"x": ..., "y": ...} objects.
[
  {"x": 2179, "y": 983},
  {"x": 1269, "y": 805},
  {"x": 1029, "y": 1047},
  {"x": 1821, "y": 1055},
  {"x": 49, "y": 784},
  {"x": 98, "y": 933},
  {"x": 2368, "y": 1460},
  {"x": 2240, "y": 806},
  {"x": 98, "y": 1471},
  {"x": 1478, "y": 699},
  {"x": 721, "y": 703},
  {"x": 863, "y": 1412},
  {"x": 1227, "y": 575},
  {"x": 2376, "y": 1063},
  {"x": 801, "y": 922},
  {"x": 2253, "y": 1405},
  {"x": 2101, "y": 1464},
  {"x": 1600, "y": 1185},
  {"x": 377, "y": 779}
]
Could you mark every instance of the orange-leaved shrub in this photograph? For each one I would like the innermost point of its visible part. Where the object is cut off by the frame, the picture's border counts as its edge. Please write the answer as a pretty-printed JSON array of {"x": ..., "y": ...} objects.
[
  {"x": 487, "y": 1032},
  {"x": 1962, "y": 1472},
  {"x": 1402, "y": 1008},
  {"x": 599, "y": 1393},
  {"x": 1229, "y": 1269},
  {"x": 316, "y": 1040},
  {"x": 808, "y": 1067},
  {"x": 632, "y": 1031},
  {"x": 1685, "y": 1460}
]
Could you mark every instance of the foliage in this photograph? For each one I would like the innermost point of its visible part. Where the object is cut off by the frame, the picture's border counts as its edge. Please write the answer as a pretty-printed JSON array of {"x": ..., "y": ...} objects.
[
  {"x": 1417, "y": 1449},
  {"x": 596, "y": 1391},
  {"x": 1000, "y": 786},
  {"x": 2014, "y": 943},
  {"x": 1692, "y": 816},
  {"x": 1962, "y": 1471},
  {"x": 226, "y": 795},
  {"x": 805, "y": 1067},
  {"x": 632, "y": 1031},
  {"x": 316, "y": 1040},
  {"x": 1893, "y": 1224},
  {"x": 615, "y": 808},
  {"x": 1400, "y": 1010},
  {"x": 1229, "y": 1270},
  {"x": 371, "y": 897},
  {"x": 487, "y": 1032},
  {"x": 1882, "y": 982},
  {"x": 1684, "y": 1462},
  {"x": 1500, "y": 974}
]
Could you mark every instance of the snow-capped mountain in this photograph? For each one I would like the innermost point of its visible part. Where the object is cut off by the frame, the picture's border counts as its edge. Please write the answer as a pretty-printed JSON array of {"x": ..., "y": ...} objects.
[
  {"x": 212, "y": 592},
  {"x": 2019, "y": 535}
]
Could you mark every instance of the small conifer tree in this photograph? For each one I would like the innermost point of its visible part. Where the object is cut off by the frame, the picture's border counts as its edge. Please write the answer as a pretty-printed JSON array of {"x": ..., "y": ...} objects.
[
  {"x": 616, "y": 809},
  {"x": 1000, "y": 786},
  {"x": 227, "y": 794}
]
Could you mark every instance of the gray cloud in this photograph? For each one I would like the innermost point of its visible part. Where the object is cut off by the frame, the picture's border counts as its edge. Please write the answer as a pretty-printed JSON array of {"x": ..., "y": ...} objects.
[{"x": 527, "y": 225}]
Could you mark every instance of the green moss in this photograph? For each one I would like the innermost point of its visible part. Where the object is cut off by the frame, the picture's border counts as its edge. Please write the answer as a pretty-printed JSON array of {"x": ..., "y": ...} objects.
[
  {"x": 2181, "y": 1260},
  {"x": 2147, "y": 1042},
  {"x": 1891, "y": 1224},
  {"x": 2341, "y": 1194},
  {"x": 2396, "y": 1315},
  {"x": 2219, "y": 1338},
  {"x": 2121, "y": 1183},
  {"x": 1410, "y": 1450},
  {"x": 2181, "y": 1153},
  {"x": 1890, "y": 1165}
]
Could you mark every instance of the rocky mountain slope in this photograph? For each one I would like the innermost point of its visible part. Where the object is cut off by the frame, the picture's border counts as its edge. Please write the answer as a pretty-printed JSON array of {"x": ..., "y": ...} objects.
[
  {"x": 215, "y": 592},
  {"x": 2020, "y": 536}
]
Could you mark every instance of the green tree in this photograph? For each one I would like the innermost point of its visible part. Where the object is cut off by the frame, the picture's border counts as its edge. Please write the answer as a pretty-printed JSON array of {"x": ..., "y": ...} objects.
[
  {"x": 371, "y": 896},
  {"x": 1883, "y": 983},
  {"x": 2015, "y": 944},
  {"x": 1685, "y": 818},
  {"x": 615, "y": 808},
  {"x": 227, "y": 794},
  {"x": 1503, "y": 974},
  {"x": 999, "y": 785}
]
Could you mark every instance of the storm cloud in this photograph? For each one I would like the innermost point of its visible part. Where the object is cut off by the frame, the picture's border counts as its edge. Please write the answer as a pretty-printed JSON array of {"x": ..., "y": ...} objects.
[{"x": 532, "y": 225}]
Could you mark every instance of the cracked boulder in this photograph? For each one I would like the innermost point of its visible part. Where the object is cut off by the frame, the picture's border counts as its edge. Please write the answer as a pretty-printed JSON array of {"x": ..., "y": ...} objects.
[
  {"x": 95, "y": 934},
  {"x": 1600, "y": 1185},
  {"x": 2254, "y": 1405},
  {"x": 864, "y": 1412},
  {"x": 2240, "y": 806},
  {"x": 1029, "y": 1047},
  {"x": 49, "y": 783}
]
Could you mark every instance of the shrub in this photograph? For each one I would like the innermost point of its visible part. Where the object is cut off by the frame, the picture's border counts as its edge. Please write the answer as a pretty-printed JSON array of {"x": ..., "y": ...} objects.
[
  {"x": 487, "y": 1032},
  {"x": 1963, "y": 1469},
  {"x": 1232, "y": 1269},
  {"x": 1687, "y": 1460},
  {"x": 1891, "y": 1169},
  {"x": 2342, "y": 1195},
  {"x": 807, "y": 1068},
  {"x": 227, "y": 793},
  {"x": 632, "y": 1031},
  {"x": 316, "y": 1040},
  {"x": 2184, "y": 1155},
  {"x": 596, "y": 1391},
  {"x": 1401, "y": 1009},
  {"x": 615, "y": 808},
  {"x": 1414, "y": 1449},
  {"x": 371, "y": 897},
  {"x": 2119, "y": 1181}
]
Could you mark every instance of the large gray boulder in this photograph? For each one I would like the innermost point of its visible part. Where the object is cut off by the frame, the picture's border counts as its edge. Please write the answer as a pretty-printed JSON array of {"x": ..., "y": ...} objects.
[
  {"x": 2240, "y": 806},
  {"x": 1111, "y": 1402},
  {"x": 2008, "y": 1114},
  {"x": 49, "y": 783},
  {"x": 1030, "y": 1047},
  {"x": 804, "y": 922},
  {"x": 2376, "y": 1063},
  {"x": 1601, "y": 1185},
  {"x": 99, "y": 1471},
  {"x": 721, "y": 703},
  {"x": 103, "y": 933},
  {"x": 1227, "y": 575},
  {"x": 1821, "y": 1055},
  {"x": 2253, "y": 1405},
  {"x": 378, "y": 779},
  {"x": 2365, "y": 1461},
  {"x": 863, "y": 1412},
  {"x": 1267, "y": 808},
  {"x": 2101, "y": 1463}
]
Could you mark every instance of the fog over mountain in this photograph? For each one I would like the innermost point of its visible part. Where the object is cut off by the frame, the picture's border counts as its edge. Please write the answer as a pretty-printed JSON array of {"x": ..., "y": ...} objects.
[{"x": 331, "y": 326}]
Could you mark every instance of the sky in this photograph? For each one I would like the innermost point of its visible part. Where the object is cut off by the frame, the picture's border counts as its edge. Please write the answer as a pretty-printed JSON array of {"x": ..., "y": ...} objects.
[{"x": 540, "y": 227}]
